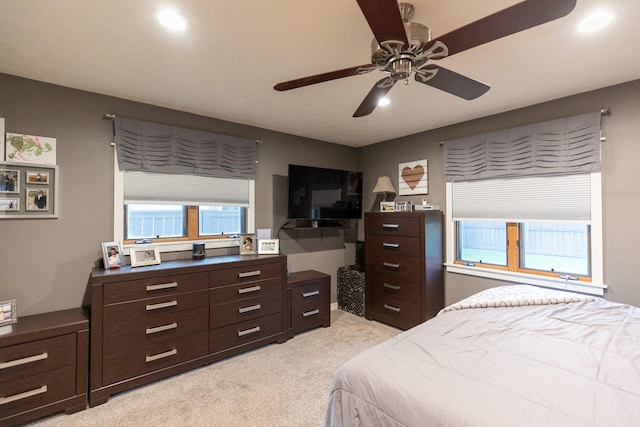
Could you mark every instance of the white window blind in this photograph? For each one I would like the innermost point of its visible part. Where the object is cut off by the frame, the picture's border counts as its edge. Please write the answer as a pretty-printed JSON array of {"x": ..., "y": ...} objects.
[
  {"x": 533, "y": 198},
  {"x": 166, "y": 188}
]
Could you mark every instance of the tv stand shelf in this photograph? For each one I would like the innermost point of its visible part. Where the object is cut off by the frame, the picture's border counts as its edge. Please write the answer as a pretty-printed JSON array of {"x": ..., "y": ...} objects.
[{"x": 294, "y": 224}]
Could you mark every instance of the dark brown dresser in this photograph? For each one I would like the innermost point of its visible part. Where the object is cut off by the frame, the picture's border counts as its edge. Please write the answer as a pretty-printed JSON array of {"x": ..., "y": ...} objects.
[
  {"x": 43, "y": 366},
  {"x": 155, "y": 321},
  {"x": 404, "y": 278},
  {"x": 310, "y": 300}
]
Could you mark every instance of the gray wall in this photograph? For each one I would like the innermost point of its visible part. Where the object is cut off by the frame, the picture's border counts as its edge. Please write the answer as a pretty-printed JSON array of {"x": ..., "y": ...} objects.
[
  {"x": 45, "y": 264},
  {"x": 621, "y": 186}
]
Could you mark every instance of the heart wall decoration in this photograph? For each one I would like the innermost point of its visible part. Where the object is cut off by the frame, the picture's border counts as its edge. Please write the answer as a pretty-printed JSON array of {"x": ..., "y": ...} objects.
[{"x": 412, "y": 178}]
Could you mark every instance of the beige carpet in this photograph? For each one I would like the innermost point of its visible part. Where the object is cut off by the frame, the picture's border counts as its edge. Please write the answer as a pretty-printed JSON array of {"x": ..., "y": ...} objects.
[{"x": 277, "y": 385}]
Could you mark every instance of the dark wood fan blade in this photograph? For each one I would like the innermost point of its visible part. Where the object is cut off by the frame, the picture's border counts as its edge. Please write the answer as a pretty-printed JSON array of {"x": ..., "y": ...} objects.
[
  {"x": 384, "y": 19},
  {"x": 511, "y": 20},
  {"x": 370, "y": 102},
  {"x": 454, "y": 83},
  {"x": 319, "y": 78}
]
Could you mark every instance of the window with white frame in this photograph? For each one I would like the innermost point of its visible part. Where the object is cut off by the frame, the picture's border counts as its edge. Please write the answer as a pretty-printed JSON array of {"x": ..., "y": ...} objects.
[{"x": 528, "y": 226}]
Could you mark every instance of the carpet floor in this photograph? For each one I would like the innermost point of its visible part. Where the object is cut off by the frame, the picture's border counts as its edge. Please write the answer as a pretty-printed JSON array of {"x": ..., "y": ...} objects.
[{"x": 277, "y": 385}]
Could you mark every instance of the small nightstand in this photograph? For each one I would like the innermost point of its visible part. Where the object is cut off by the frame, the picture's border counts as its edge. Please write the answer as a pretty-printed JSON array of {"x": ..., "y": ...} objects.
[{"x": 310, "y": 300}]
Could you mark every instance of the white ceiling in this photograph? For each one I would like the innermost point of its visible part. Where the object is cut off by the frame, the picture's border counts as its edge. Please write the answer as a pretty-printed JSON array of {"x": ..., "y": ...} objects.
[{"x": 226, "y": 66}]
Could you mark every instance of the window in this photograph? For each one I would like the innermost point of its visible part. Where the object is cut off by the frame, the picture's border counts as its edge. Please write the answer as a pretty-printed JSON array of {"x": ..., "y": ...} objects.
[
  {"x": 544, "y": 230},
  {"x": 174, "y": 209}
]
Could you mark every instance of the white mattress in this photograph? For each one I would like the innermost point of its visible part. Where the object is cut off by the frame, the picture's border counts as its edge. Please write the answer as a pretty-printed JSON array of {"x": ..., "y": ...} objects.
[{"x": 541, "y": 359}]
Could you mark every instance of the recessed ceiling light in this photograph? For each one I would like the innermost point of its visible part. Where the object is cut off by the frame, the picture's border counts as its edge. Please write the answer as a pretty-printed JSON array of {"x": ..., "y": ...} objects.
[
  {"x": 384, "y": 101},
  {"x": 172, "y": 20},
  {"x": 596, "y": 21}
]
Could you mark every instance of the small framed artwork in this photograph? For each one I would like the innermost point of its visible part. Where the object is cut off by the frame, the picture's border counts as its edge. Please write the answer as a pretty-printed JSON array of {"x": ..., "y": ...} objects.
[
  {"x": 30, "y": 149},
  {"x": 269, "y": 246},
  {"x": 403, "y": 206},
  {"x": 144, "y": 255},
  {"x": 387, "y": 206},
  {"x": 247, "y": 244},
  {"x": 37, "y": 199},
  {"x": 9, "y": 180},
  {"x": 8, "y": 313},
  {"x": 34, "y": 177},
  {"x": 8, "y": 205},
  {"x": 112, "y": 255}
]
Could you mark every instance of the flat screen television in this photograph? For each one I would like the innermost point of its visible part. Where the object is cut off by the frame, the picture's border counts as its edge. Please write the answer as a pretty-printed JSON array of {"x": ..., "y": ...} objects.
[{"x": 321, "y": 193}]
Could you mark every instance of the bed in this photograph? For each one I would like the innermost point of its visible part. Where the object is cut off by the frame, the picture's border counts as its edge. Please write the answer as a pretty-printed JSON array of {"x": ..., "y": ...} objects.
[{"x": 509, "y": 356}]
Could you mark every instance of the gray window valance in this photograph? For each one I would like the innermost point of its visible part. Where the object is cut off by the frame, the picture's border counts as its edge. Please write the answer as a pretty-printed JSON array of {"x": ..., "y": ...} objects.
[
  {"x": 153, "y": 147},
  {"x": 569, "y": 145}
]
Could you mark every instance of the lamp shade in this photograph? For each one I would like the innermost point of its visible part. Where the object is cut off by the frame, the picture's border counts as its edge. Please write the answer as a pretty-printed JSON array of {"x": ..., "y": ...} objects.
[{"x": 384, "y": 185}]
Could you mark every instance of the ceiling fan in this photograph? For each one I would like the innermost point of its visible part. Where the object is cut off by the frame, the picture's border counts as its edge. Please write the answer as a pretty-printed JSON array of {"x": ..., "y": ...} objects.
[{"x": 402, "y": 48}]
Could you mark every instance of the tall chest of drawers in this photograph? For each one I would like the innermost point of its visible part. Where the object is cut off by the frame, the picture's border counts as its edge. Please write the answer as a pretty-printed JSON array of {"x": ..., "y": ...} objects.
[
  {"x": 404, "y": 273},
  {"x": 152, "y": 322},
  {"x": 43, "y": 366}
]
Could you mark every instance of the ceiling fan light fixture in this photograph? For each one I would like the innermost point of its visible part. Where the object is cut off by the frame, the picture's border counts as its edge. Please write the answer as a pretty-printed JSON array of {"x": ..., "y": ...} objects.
[
  {"x": 596, "y": 21},
  {"x": 384, "y": 101},
  {"x": 172, "y": 20}
]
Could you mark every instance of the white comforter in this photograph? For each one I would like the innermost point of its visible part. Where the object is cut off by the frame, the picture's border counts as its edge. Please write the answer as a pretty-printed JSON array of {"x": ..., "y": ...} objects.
[{"x": 530, "y": 361}]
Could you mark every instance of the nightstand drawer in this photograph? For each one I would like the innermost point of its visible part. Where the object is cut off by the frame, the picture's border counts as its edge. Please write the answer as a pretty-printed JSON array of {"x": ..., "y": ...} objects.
[
  {"x": 244, "y": 333},
  {"x": 316, "y": 293},
  {"x": 246, "y": 274},
  {"x": 156, "y": 286},
  {"x": 241, "y": 291},
  {"x": 128, "y": 364},
  {"x": 310, "y": 315},
  {"x": 393, "y": 225},
  {"x": 139, "y": 309},
  {"x": 393, "y": 245},
  {"x": 36, "y": 391},
  {"x": 138, "y": 333},
  {"x": 249, "y": 308},
  {"x": 36, "y": 357}
]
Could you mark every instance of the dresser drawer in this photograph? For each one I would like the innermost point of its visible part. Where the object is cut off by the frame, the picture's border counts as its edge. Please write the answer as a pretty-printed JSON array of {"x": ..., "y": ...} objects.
[
  {"x": 138, "y": 309},
  {"x": 243, "y": 333},
  {"x": 316, "y": 293},
  {"x": 36, "y": 357},
  {"x": 248, "y": 308},
  {"x": 245, "y": 274},
  {"x": 310, "y": 315},
  {"x": 380, "y": 245},
  {"x": 128, "y": 364},
  {"x": 138, "y": 333},
  {"x": 396, "y": 311},
  {"x": 393, "y": 265},
  {"x": 406, "y": 288},
  {"x": 34, "y": 391},
  {"x": 245, "y": 290},
  {"x": 152, "y": 287},
  {"x": 393, "y": 225}
]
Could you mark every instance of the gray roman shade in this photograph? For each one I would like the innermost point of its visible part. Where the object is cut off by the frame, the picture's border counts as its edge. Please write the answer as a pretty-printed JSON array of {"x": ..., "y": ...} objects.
[
  {"x": 566, "y": 146},
  {"x": 153, "y": 147}
]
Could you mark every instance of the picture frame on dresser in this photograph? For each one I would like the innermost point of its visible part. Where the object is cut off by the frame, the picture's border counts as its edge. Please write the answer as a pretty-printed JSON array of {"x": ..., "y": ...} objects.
[
  {"x": 268, "y": 246},
  {"x": 247, "y": 244},
  {"x": 144, "y": 255},
  {"x": 8, "y": 312},
  {"x": 112, "y": 256}
]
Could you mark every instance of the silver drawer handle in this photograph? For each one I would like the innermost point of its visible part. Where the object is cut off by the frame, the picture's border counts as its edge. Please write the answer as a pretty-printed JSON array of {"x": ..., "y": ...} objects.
[
  {"x": 390, "y": 265},
  {"x": 161, "y": 355},
  {"x": 24, "y": 395},
  {"x": 390, "y": 226},
  {"x": 310, "y": 313},
  {"x": 250, "y": 273},
  {"x": 250, "y": 308},
  {"x": 161, "y": 328},
  {"x": 391, "y": 245},
  {"x": 310, "y": 294},
  {"x": 162, "y": 286},
  {"x": 249, "y": 331},
  {"x": 392, "y": 308},
  {"x": 23, "y": 361},
  {"x": 161, "y": 305},
  {"x": 247, "y": 290},
  {"x": 392, "y": 287}
]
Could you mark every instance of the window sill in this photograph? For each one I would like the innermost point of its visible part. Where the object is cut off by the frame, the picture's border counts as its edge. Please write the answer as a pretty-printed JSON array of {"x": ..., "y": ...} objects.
[
  {"x": 529, "y": 279},
  {"x": 187, "y": 246}
]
